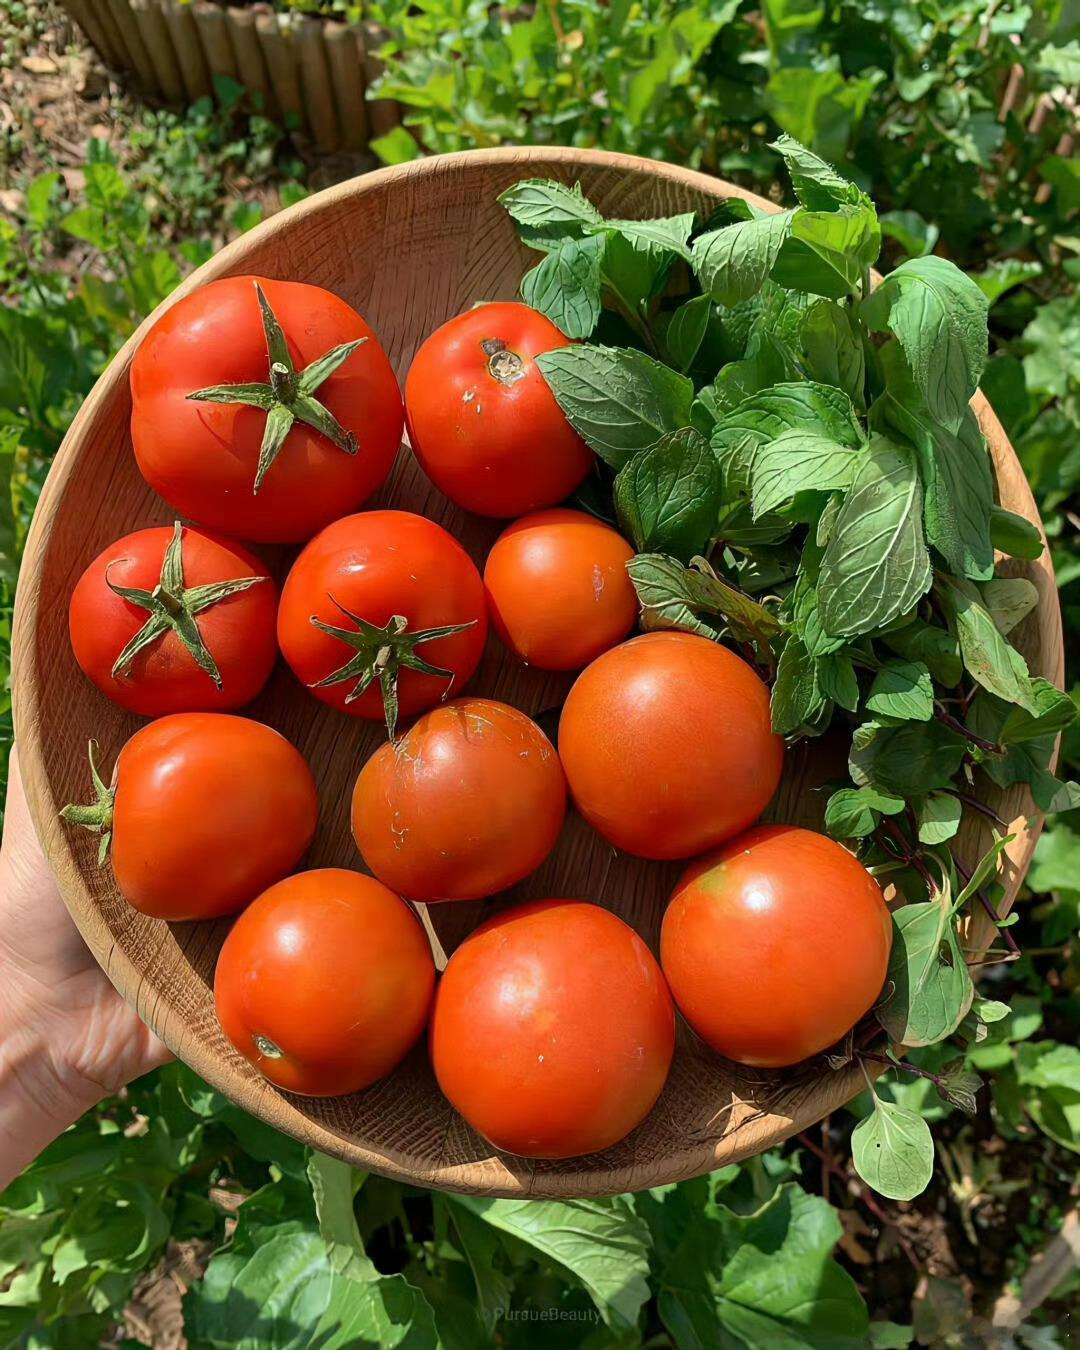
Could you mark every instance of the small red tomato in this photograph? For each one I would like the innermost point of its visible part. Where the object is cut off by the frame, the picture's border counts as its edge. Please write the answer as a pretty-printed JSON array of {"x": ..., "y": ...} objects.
[
  {"x": 775, "y": 946},
  {"x": 558, "y": 588},
  {"x": 325, "y": 982},
  {"x": 469, "y": 801},
  {"x": 205, "y": 811},
  {"x": 175, "y": 620},
  {"x": 383, "y": 614},
  {"x": 483, "y": 422},
  {"x": 553, "y": 1030},
  {"x": 263, "y": 409},
  {"x": 668, "y": 745}
]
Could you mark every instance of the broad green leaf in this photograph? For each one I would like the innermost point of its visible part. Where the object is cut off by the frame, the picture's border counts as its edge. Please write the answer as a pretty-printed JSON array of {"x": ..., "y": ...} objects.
[
  {"x": 395, "y": 146},
  {"x": 819, "y": 107},
  {"x": 667, "y": 498},
  {"x": 904, "y": 690},
  {"x": 876, "y": 566},
  {"x": 928, "y": 988},
  {"x": 1052, "y": 343},
  {"x": 833, "y": 350},
  {"x": 550, "y": 209},
  {"x": 732, "y": 263},
  {"x": 905, "y": 760},
  {"x": 686, "y": 331},
  {"x": 797, "y": 699},
  {"x": 1015, "y": 535},
  {"x": 664, "y": 234},
  {"x": 673, "y": 596},
  {"x": 936, "y": 648},
  {"x": 1052, "y": 712},
  {"x": 634, "y": 271},
  {"x": 854, "y": 813},
  {"x": 480, "y": 1243},
  {"x": 829, "y": 252},
  {"x": 939, "y": 817},
  {"x": 799, "y": 461},
  {"x": 817, "y": 185},
  {"x": 893, "y": 1151},
  {"x": 915, "y": 235},
  {"x": 565, "y": 286},
  {"x": 837, "y": 680},
  {"x": 1003, "y": 274},
  {"x": 601, "y": 1244},
  {"x": 618, "y": 400},
  {"x": 1009, "y": 600},
  {"x": 988, "y": 657},
  {"x": 938, "y": 315},
  {"x": 1049, "y": 1073}
]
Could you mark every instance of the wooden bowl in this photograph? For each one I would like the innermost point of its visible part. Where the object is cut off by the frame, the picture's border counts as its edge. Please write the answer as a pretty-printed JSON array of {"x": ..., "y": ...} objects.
[{"x": 409, "y": 247}]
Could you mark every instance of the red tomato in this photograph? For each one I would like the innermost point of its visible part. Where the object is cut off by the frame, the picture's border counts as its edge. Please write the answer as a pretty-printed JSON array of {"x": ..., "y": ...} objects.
[
  {"x": 776, "y": 945},
  {"x": 553, "y": 1030},
  {"x": 204, "y": 456},
  {"x": 470, "y": 801},
  {"x": 667, "y": 745},
  {"x": 483, "y": 422},
  {"x": 205, "y": 812},
  {"x": 558, "y": 589},
  {"x": 389, "y": 571},
  {"x": 325, "y": 982},
  {"x": 172, "y": 620}
]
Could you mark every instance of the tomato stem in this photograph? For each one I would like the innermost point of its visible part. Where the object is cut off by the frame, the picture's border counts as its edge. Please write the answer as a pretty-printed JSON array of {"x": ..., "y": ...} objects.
[{"x": 95, "y": 816}]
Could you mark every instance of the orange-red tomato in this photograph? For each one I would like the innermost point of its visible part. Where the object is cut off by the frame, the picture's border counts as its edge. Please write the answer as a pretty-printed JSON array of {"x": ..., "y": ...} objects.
[
  {"x": 203, "y": 457},
  {"x": 467, "y": 803},
  {"x": 237, "y": 631},
  {"x": 558, "y": 588},
  {"x": 483, "y": 422},
  {"x": 553, "y": 1029},
  {"x": 325, "y": 982},
  {"x": 668, "y": 746},
  {"x": 209, "y": 809},
  {"x": 384, "y": 568},
  {"x": 776, "y": 945}
]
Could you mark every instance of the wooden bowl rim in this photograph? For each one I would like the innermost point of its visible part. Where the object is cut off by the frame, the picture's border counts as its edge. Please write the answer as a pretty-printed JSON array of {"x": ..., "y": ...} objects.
[{"x": 696, "y": 1157}]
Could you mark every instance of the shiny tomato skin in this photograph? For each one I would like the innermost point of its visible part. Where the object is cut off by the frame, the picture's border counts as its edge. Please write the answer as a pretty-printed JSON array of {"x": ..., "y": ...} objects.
[
  {"x": 202, "y": 457},
  {"x": 379, "y": 564},
  {"x": 333, "y": 971},
  {"x": 499, "y": 447},
  {"x": 775, "y": 945},
  {"x": 558, "y": 589},
  {"x": 553, "y": 1030},
  {"x": 210, "y": 810},
  {"x": 668, "y": 745},
  {"x": 468, "y": 802},
  {"x": 239, "y": 631}
]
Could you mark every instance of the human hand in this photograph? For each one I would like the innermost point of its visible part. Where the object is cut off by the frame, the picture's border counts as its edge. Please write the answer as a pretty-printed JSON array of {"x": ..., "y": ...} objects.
[{"x": 67, "y": 1038}]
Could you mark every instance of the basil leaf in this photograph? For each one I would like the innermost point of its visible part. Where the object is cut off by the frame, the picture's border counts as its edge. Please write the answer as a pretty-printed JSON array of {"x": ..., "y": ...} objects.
[
  {"x": 799, "y": 461},
  {"x": 929, "y": 987},
  {"x": 833, "y": 351},
  {"x": 829, "y": 252},
  {"x": 938, "y": 315},
  {"x": 905, "y": 760},
  {"x": 937, "y": 649},
  {"x": 619, "y": 401},
  {"x": 817, "y": 184},
  {"x": 566, "y": 286},
  {"x": 1015, "y": 535},
  {"x": 854, "y": 813},
  {"x": 893, "y": 1151},
  {"x": 876, "y": 566},
  {"x": 667, "y": 498},
  {"x": 1053, "y": 712},
  {"x": 904, "y": 690},
  {"x": 988, "y": 657},
  {"x": 549, "y": 209},
  {"x": 733, "y": 262},
  {"x": 939, "y": 817},
  {"x": 686, "y": 332},
  {"x": 1010, "y": 600}
]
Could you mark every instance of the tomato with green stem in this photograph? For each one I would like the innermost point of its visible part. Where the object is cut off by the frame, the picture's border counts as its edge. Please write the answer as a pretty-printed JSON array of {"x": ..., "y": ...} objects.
[
  {"x": 175, "y": 620},
  {"x": 325, "y": 982},
  {"x": 204, "y": 811},
  {"x": 775, "y": 945},
  {"x": 482, "y": 421},
  {"x": 263, "y": 409},
  {"x": 553, "y": 1030},
  {"x": 382, "y": 615}
]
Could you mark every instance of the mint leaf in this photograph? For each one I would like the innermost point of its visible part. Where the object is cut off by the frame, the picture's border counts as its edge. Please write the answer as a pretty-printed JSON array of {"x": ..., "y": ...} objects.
[
  {"x": 686, "y": 331},
  {"x": 797, "y": 699},
  {"x": 1052, "y": 712},
  {"x": 937, "y": 649},
  {"x": 667, "y": 498},
  {"x": 1009, "y": 600},
  {"x": 618, "y": 400},
  {"x": 906, "y": 759},
  {"x": 904, "y": 690},
  {"x": 854, "y": 813},
  {"x": 929, "y": 989},
  {"x": 939, "y": 817},
  {"x": 988, "y": 657},
  {"x": 799, "y": 461},
  {"x": 1014, "y": 535},
  {"x": 665, "y": 234},
  {"x": 673, "y": 596},
  {"x": 732, "y": 263},
  {"x": 566, "y": 286},
  {"x": 549, "y": 210},
  {"x": 833, "y": 350},
  {"x": 938, "y": 316},
  {"x": 817, "y": 185},
  {"x": 876, "y": 566},
  {"x": 829, "y": 252},
  {"x": 893, "y": 1151}
]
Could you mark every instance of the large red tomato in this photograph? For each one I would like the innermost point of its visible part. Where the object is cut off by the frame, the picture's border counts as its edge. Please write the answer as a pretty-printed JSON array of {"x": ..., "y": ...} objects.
[
  {"x": 775, "y": 945},
  {"x": 325, "y": 982},
  {"x": 553, "y": 1029},
  {"x": 298, "y": 415},
  {"x": 668, "y": 746},
  {"x": 175, "y": 620},
  {"x": 483, "y": 422},
  {"x": 469, "y": 801},
  {"x": 205, "y": 811},
  {"x": 558, "y": 588},
  {"x": 381, "y": 606}
]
